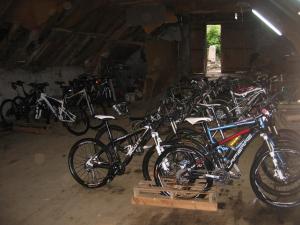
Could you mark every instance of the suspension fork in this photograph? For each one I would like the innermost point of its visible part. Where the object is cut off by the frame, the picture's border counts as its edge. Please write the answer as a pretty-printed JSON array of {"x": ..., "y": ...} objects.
[
  {"x": 157, "y": 141},
  {"x": 271, "y": 147}
]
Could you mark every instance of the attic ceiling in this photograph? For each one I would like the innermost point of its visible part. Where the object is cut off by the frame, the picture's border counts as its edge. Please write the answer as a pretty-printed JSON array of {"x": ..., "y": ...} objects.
[{"x": 39, "y": 33}]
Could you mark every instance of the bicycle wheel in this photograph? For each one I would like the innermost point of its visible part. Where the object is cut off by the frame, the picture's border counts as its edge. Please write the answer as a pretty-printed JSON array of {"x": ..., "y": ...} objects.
[
  {"x": 81, "y": 124},
  {"x": 183, "y": 167},
  {"x": 116, "y": 132},
  {"x": 90, "y": 163},
  {"x": 223, "y": 115},
  {"x": 8, "y": 112},
  {"x": 151, "y": 155},
  {"x": 96, "y": 123},
  {"x": 188, "y": 133},
  {"x": 281, "y": 187},
  {"x": 20, "y": 108}
]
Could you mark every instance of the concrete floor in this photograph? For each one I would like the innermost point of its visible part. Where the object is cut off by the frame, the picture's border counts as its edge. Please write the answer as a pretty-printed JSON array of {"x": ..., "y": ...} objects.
[{"x": 37, "y": 189}]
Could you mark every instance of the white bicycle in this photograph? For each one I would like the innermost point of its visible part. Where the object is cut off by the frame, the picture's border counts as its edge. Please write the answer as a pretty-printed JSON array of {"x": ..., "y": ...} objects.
[{"x": 73, "y": 118}]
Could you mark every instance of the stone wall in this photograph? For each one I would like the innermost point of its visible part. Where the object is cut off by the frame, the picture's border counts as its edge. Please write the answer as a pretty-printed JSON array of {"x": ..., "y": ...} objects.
[{"x": 49, "y": 75}]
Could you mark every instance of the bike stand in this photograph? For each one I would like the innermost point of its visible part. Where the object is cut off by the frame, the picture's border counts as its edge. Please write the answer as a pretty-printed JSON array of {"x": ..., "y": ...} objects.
[
  {"x": 146, "y": 193},
  {"x": 32, "y": 128}
]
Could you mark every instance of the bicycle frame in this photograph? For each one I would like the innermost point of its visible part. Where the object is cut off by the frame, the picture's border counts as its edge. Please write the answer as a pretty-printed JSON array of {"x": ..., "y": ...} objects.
[
  {"x": 69, "y": 117},
  {"x": 83, "y": 95},
  {"x": 247, "y": 101},
  {"x": 251, "y": 134},
  {"x": 146, "y": 130}
]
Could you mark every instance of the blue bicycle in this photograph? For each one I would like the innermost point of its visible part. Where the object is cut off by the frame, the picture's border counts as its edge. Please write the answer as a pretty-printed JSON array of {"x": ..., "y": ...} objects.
[{"x": 274, "y": 174}]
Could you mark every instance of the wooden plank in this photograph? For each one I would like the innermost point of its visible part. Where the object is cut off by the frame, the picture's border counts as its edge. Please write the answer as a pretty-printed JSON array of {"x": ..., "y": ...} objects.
[
  {"x": 175, "y": 203},
  {"x": 146, "y": 193}
]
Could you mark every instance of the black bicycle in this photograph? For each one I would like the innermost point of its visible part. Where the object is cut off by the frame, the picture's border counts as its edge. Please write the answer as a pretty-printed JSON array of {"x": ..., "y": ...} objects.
[
  {"x": 19, "y": 107},
  {"x": 95, "y": 161}
]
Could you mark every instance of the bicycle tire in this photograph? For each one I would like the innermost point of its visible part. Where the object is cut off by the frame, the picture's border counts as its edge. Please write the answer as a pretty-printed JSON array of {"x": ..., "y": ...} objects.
[
  {"x": 194, "y": 155},
  {"x": 149, "y": 156},
  {"x": 264, "y": 191},
  {"x": 8, "y": 112},
  {"x": 72, "y": 166},
  {"x": 80, "y": 117},
  {"x": 96, "y": 123}
]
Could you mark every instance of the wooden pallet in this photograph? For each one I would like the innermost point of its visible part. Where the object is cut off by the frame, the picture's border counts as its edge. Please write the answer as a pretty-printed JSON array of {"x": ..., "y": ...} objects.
[{"x": 145, "y": 193}]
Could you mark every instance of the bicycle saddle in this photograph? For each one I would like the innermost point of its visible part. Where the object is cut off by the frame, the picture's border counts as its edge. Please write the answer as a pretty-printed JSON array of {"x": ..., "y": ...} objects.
[
  {"x": 195, "y": 120},
  {"x": 103, "y": 117}
]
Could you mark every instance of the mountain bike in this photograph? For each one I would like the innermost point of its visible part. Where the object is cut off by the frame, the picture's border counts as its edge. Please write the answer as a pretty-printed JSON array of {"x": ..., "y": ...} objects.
[
  {"x": 95, "y": 161},
  {"x": 82, "y": 99},
  {"x": 274, "y": 174},
  {"x": 112, "y": 158},
  {"x": 73, "y": 118}
]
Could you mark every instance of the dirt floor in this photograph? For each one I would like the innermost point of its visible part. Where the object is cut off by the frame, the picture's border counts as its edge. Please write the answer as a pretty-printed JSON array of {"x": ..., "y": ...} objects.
[{"x": 37, "y": 189}]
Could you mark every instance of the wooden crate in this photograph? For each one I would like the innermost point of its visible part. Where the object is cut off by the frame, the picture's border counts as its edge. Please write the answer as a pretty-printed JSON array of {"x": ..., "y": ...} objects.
[{"x": 146, "y": 193}]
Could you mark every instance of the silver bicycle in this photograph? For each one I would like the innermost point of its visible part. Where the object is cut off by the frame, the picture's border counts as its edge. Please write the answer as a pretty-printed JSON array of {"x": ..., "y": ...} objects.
[{"x": 73, "y": 118}]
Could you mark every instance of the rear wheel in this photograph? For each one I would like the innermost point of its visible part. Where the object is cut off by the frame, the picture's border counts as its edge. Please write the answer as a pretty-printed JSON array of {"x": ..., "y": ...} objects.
[
  {"x": 96, "y": 123},
  {"x": 222, "y": 115},
  {"x": 90, "y": 163},
  {"x": 8, "y": 112},
  {"x": 81, "y": 124}
]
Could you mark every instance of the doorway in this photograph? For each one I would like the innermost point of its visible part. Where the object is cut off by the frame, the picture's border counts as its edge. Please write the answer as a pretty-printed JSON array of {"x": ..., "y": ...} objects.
[{"x": 213, "y": 44}]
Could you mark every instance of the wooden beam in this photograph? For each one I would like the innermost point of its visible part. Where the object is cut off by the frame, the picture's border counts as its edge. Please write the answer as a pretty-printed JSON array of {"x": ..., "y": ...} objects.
[{"x": 105, "y": 37}]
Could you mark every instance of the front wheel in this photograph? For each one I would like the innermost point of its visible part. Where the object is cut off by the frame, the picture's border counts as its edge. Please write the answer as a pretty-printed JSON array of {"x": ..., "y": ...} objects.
[
  {"x": 81, "y": 124},
  {"x": 151, "y": 155},
  {"x": 278, "y": 187},
  {"x": 90, "y": 163},
  {"x": 181, "y": 167}
]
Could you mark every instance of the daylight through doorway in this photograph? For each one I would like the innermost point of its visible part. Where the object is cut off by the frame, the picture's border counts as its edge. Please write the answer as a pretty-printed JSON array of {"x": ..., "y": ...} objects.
[{"x": 213, "y": 41}]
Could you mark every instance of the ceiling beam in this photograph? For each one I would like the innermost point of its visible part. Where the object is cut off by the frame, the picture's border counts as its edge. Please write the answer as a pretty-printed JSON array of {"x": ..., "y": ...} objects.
[{"x": 105, "y": 37}]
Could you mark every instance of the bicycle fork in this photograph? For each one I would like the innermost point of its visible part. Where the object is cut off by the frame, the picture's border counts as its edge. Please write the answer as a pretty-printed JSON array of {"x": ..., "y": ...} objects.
[
  {"x": 159, "y": 148},
  {"x": 271, "y": 146}
]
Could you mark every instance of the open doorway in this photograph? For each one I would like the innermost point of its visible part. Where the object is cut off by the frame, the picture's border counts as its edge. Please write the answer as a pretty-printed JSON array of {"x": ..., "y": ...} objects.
[{"x": 213, "y": 43}]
